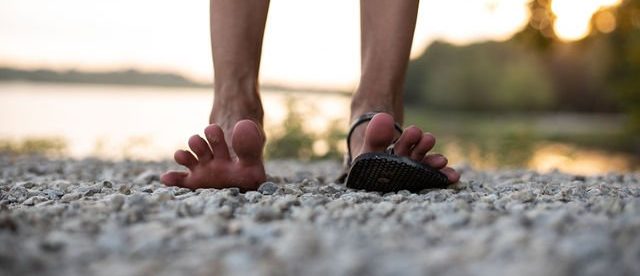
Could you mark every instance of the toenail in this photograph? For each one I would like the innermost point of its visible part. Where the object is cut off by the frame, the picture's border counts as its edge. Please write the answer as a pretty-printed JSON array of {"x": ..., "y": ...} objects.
[
  {"x": 213, "y": 139},
  {"x": 444, "y": 159}
]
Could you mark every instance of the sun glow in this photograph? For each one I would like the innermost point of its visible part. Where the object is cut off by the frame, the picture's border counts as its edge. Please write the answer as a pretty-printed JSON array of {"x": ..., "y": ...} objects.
[
  {"x": 573, "y": 17},
  {"x": 570, "y": 159},
  {"x": 307, "y": 43}
]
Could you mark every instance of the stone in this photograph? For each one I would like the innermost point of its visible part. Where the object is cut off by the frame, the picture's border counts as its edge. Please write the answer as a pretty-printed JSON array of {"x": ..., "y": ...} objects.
[
  {"x": 163, "y": 195},
  {"x": 53, "y": 194},
  {"x": 70, "y": 197},
  {"x": 34, "y": 200},
  {"x": 107, "y": 184},
  {"x": 266, "y": 214},
  {"x": 26, "y": 184},
  {"x": 253, "y": 196},
  {"x": 497, "y": 222},
  {"x": 268, "y": 188},
  {"x": 137, "y": 199},
  {"x": 124, "y": 189},
  {"x": 384, "y": 208},
  {"x": 230, "y": 192},
  {"x": 147, "y": 189},
  {"x": 117, "y": 200},
  {"x": 92, "y": 190}
]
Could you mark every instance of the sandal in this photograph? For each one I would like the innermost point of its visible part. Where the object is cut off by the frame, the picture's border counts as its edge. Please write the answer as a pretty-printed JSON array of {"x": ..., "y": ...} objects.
[{"x": 386, "y": 172}]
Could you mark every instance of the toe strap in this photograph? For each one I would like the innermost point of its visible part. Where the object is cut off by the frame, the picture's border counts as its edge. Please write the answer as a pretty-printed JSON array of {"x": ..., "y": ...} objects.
[{"x": 366, "y": 117}]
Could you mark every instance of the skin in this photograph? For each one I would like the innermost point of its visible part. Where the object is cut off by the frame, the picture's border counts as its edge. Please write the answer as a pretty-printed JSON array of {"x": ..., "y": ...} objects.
[{"x": 237, "y": 28}]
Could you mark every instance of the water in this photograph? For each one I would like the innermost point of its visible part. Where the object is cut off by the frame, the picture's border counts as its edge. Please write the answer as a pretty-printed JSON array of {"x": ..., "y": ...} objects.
[
  {"x": 150, "y": 123},
  {"x": 136, "y": 122}
]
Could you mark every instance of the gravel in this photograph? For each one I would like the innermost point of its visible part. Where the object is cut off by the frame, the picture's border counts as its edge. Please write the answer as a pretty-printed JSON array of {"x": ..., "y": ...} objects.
[{"x": 92, "y": 217}]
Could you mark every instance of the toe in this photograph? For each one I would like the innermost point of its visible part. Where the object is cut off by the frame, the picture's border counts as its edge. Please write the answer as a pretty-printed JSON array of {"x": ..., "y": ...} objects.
[
  {"x": 427, "y": 141},
  {"x": 436, "y": 161},
  {"x": 174, "y": 178},
  {"x": 409, "y": 138},
  {"x": 379, "y": 133},
  {"x": 247, "y": 142},
  {"x": 451, "y": 174},
  {"x": 200, "y": 147},
  {"x": 185, "y": 158},
  {"x": 215, "y": 136}
]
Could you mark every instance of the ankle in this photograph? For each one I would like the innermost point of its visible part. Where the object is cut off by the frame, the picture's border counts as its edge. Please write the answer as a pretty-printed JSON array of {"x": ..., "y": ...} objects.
[
  {"x": 230, "y": 112},
  {"x": 364, "y": 102},
  {"x": 231, "y": 106}
]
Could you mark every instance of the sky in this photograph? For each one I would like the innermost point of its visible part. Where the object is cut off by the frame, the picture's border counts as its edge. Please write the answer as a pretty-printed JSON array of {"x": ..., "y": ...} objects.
[{"x": 307, "y": 42}]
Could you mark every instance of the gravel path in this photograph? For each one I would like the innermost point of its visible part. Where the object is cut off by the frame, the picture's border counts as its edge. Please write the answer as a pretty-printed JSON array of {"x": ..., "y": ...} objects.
[{"x": 90, "y": 217}]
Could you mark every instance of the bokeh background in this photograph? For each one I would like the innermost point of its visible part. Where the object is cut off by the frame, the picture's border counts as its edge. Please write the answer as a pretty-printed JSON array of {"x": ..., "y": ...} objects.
[{"x": 538, "y": 84}]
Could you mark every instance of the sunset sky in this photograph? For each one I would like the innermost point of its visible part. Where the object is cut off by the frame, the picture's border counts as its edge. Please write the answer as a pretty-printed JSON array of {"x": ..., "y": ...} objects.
[{"x": 307, "y": 43}]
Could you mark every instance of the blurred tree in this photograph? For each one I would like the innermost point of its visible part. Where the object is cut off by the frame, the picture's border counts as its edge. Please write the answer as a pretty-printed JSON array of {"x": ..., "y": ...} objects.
[
  {"x": 624, "y": 74},
  {"x": 578, "y": 70},
  {"x": 539, "y": 32},
  {"x": 293, "y": 141},
  {"x": 495, "y": 76},
  {"x": 535, "y": 70}
]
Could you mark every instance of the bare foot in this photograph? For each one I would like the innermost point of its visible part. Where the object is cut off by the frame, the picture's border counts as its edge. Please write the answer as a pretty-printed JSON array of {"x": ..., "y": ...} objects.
[
  {"x": 215, "y": 166},
  {"x": 413, "y": 143}
]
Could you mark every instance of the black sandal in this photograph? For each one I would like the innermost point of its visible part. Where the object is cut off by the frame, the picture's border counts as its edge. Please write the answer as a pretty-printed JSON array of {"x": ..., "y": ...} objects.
[{"x": 386, "y": 172}]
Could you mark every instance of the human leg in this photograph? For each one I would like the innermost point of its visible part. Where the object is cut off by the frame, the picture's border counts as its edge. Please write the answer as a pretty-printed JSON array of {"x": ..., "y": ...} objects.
[
  {"x": 387, "y": 34},
  {"x": 237, "y": 28}
]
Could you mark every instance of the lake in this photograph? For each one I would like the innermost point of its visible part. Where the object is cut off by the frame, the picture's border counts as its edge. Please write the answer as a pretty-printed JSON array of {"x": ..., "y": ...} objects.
[
  {"x": 137, "y": 122},
  {"x": 150, "y": 123}
]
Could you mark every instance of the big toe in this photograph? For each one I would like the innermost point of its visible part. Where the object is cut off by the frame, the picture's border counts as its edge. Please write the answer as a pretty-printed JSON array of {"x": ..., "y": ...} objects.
[
  {"x": 247, "y": 141},
  {"x": 379, "y": 133}
]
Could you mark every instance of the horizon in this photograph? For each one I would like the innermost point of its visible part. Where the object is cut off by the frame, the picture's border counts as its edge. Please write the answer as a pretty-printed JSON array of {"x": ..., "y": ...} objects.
[
  {"x": 191, "y": 82},
  {"x": 90, "y": 38}
]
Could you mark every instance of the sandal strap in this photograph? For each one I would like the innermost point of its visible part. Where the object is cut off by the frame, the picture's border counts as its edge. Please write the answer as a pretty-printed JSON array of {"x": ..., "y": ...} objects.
[{"x": 366, "y": 117}]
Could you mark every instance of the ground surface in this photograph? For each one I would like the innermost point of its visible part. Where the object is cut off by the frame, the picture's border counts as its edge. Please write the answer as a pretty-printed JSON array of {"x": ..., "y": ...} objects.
[{"x": 92, "y": 217}]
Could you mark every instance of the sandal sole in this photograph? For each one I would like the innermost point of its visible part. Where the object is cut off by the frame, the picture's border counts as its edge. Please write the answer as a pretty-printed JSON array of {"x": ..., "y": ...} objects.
[{"x": 384, "y": 172}]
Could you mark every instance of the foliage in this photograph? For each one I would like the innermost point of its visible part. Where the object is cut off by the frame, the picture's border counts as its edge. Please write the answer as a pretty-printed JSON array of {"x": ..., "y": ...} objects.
[
  {"x": 294, "y": 141},
  {"x": 52, "y": 146},
  {"x": 624, "y": 75},
  {"x": 538, "y": 34},
  {"x": 486, "y": 76},
  {"x": 534, "y": 70}
]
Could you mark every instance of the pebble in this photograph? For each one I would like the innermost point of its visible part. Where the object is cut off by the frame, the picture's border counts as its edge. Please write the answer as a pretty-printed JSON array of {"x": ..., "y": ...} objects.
[
  {"x": 124, "y": 189},
  {"x": 137, "y": 199},
  {"x": 53, "y": 193},
  {"x": 499, "y": 222},
  {"x": 117, "y": 200},
  {"x": 266, "y": 214},
  {"x": 385, "y": 208},
  {"x": 268, "y": 188},
  {"x": 34, "y": 200},
  {"x": 253, "y": 196},
  {"x": 163, "y": 195},
  {"x": 25, "y": 184},
  {"x": 107, "y": 184},
  {"x": 92, "y": 190},
  {"x": 70, "y": 197}
]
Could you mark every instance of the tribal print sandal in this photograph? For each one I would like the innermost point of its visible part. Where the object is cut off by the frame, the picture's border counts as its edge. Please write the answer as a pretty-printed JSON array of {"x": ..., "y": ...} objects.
[{"x": 385, "y": 171}]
